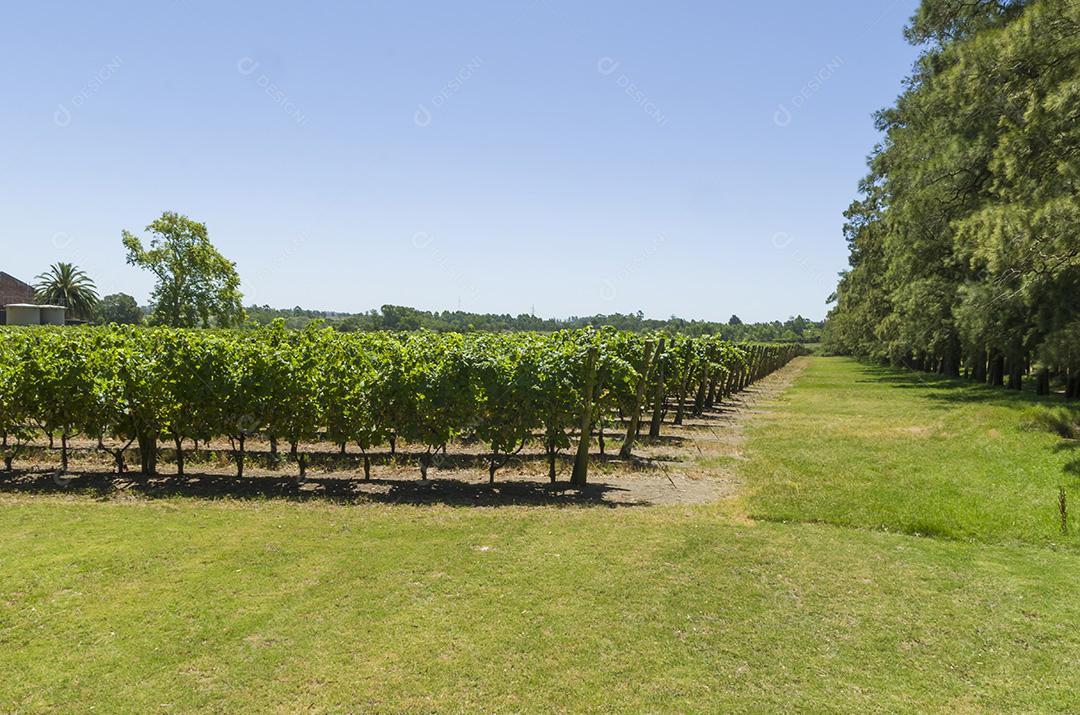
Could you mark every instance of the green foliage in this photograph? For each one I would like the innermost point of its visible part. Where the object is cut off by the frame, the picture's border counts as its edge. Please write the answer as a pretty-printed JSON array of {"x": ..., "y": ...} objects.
[
  {"x": 15, "y": 401},
  {"x": 148, "y": 384},
  {"x": 398, "y": 318},
  {"x": 508, "y": 393},
  {"x": 196, "y": 285},
  {"x": 118, "y": 308},
  {"x": 67, "y": 285},
  {"x": 963, "y": 245}
]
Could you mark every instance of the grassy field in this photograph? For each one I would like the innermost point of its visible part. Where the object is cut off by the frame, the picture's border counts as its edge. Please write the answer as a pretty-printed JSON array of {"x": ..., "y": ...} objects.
[
  {"x": 185, "y": 604},
  {"x": 912, "y": 453}
]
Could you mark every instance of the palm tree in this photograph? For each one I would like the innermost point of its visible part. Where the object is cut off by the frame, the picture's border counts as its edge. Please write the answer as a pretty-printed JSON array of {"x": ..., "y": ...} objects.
[{"x": 65, "y": 284}]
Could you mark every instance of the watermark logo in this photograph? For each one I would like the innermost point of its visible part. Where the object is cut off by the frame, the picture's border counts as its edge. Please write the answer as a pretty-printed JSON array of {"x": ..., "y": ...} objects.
[
  {"x": 64, "y": 113},
  {"x": 609, "y": 286},
  {"x": 424, "y": 241},
  {"x": 249, "y": 67},
  {"x": 609, "y": 67},
  {"x": 785, "y": 111},
  {"x": 425, "y": 112},
  {"x": 251, "y": 290}
]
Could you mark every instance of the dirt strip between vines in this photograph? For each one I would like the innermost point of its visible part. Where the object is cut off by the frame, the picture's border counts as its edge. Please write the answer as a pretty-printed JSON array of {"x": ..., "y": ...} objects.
[
  {"x": 698, "y": 463},
  {"x": 692, "y": 463}
]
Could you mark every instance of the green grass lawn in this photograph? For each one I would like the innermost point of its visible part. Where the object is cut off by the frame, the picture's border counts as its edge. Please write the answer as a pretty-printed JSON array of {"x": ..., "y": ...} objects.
[
  {"x": 181, "y": 604},
  {"x": 901, "y": 451}
]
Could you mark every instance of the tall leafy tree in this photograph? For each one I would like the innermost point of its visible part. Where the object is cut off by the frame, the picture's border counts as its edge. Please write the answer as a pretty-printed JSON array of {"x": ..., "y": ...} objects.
[
  {"x": 196, "y": 285},
  {"x": 119, "y": 308},
  {"x": 964, "y": 250},
  {"x": 67, "y": 285}
]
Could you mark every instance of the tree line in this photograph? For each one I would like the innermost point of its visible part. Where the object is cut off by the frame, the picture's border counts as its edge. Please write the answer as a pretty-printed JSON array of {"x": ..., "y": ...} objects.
[
  {"x": 396, "y": 317},
  {"x": 140, "y": 388},
  {"x": 965, "y": 241}
]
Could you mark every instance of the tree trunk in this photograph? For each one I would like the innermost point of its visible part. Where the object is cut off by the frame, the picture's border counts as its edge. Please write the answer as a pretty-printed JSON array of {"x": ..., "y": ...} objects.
[
  {"x": 996, "y": 372},
  {"x": 303, "y": 465},
  {"x": 1043, "y": 382},
  {"x": 492, "y": 467},
  {"x": 425, "y": 462},
  {"x": 639, "y": 395},
  {"x": 240, "y": 457},
  {"x": 710, "y": 399},
  {"x": 658, "y": 396},
  {"x": 1016, "y": 375},
  {"x": 179, "y": 442},
  {"x": 148, "y": 454},
  {"x": 580, "y": 474},
  {"x": 950, "y": 365},
  {"x": 63, "y": 453},
  {"x": 978, "y": 373},
  {"x": 367, "y": 465},
  {"x": 702, "y": 393},
  {"x": 393, "y": 444},
  {"x": 552, "y": 452},
  {"x": 682, "y": 395},
  {"x": 274, "y": 450}
]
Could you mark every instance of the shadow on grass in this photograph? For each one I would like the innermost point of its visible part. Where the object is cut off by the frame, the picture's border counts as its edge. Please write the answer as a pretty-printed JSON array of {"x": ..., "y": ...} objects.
[
  {"x": 1071, "y": 468},
  {"x": 951, "y": 390},
  {"x": 350, "y": 462},
  {"x": 453, "y": 492},
  {"x": 947, "y": 391}
]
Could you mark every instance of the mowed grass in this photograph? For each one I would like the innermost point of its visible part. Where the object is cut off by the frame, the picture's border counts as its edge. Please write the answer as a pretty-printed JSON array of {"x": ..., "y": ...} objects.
[
  {"x": 886, "y": 449},
  {"x": 189, "y": 605},
  {"x": 174, "y": 607}
]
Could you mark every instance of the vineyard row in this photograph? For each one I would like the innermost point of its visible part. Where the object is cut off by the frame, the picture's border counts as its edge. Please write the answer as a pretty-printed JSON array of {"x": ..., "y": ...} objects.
[{"x": 129, "y": 386}]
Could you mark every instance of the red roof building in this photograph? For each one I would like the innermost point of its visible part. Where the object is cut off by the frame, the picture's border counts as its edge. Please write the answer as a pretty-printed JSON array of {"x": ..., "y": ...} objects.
[{"x": 13, "y": 290}]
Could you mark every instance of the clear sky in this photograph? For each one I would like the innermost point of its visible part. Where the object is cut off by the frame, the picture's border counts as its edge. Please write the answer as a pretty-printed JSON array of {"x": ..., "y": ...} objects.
[{"x": 567, "y": 157}]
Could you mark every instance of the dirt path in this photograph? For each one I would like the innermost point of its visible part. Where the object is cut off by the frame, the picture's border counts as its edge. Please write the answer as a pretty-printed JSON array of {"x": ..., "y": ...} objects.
[{"x": 702, "y": 462}]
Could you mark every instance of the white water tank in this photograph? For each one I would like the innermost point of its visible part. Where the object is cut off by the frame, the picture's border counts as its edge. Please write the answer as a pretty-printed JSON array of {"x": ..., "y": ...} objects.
[
  {"x": 23, "y": 314},
  {"x": 52, "y": 314},
  {"x": 29, "y": 314}
]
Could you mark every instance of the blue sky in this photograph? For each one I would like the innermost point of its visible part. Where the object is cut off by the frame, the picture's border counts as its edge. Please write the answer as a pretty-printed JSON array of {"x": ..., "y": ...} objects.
[{"x": 689, "y": 158}]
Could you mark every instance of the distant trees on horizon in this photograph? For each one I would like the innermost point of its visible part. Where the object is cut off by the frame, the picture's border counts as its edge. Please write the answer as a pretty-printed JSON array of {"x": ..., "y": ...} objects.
[{"x": 395, "y": 317}]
